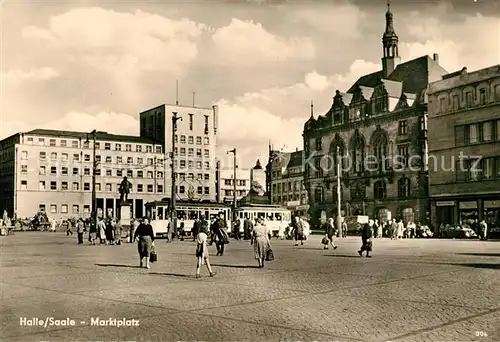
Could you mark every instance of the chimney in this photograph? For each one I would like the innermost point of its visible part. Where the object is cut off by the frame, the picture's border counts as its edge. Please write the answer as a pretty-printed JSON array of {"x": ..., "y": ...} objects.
[{"x": 435, "y": 57}]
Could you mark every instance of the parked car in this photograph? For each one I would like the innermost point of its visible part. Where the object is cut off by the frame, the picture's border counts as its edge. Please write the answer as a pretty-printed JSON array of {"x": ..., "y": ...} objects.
[
  {"x": 424, "y": 232},
  {"x": 458, "y": 232}
]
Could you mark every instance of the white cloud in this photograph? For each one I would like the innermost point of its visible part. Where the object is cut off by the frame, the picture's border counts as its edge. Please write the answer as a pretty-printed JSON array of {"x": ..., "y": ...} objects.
[
  {"x": 340, "y": 19},
  {"x": 247, "y": 42},
  {"x": 15, "y": 77},
  {"x": 123, "y": 42},
  {"x": 471, "y": 41},
  {"x": 278, "y": 114}
]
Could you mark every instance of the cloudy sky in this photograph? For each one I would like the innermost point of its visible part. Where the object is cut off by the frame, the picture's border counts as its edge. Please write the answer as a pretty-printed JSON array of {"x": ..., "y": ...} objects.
[{"x": 80, "y": 65}]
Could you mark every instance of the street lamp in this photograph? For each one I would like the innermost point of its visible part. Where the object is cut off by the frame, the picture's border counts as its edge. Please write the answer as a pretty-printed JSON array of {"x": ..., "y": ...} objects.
[
  {"x": 94, "y": 167},
  {"x": 339, "y": 214},
  {"x": 173, "y": 211},
  {"x": 233, "y": 151}
]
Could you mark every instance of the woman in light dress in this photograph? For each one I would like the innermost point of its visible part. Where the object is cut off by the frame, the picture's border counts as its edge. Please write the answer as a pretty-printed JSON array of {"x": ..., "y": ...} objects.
[
  {"x": 202, "y": 249},
  {"x": 261, "y": 236}
]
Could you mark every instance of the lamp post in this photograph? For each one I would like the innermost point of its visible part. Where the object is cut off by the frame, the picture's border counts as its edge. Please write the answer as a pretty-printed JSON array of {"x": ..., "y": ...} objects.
[
  {"x": 94, "y": 167},
  {"x": 233, "y": 151},
  {"x": 173, "y": 211},
  {"x": 339, "y": 214}
]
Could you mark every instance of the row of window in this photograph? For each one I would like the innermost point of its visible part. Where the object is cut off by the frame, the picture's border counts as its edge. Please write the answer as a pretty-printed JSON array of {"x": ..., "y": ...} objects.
[
  {"x": 190, "y": 140},
  {"x": 75, "y": 186},
  {"x": 471, "y": 99},
  {"x": 64, "y": 209},
  {"x": 288, "y": 187},
  {"x": 379, "y": 190},
  {"x": 190, "y": 164},
  {"x": 87, "y": 172},
  {"x": 403, "y": 129},
  {"x": 191, "y": 123},
  {"x": 481, "y": 169},
  {"x": 238, "y": 193},
  {"x": 86, "y": 144},
  {"x": 200, "y": 190},
  {"x": 477, "y": 133},
  {"x": 290, "y": 197},
  {"x": 239, "y": 182},
  {"x": 190, "y": 152},
  {"x": 42, "y": 156}
]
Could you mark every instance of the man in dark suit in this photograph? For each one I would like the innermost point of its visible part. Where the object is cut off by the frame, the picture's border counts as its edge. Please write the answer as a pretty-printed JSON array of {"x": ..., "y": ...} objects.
[
  {"x": 219, "y": 235},
  {"x": 366, "y": 238},
  {"x": 247, "y": 227}
]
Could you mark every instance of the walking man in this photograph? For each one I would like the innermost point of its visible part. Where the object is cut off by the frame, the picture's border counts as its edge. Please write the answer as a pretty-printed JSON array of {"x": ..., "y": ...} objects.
[
  {"x": 247, "y": 227},
  {"x": 483, "y": 229},
  {"x": 367, "y": 239}
]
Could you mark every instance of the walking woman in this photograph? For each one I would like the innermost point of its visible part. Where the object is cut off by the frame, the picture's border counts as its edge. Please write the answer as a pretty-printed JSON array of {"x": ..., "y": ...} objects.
[
  {"x": 298, "y": 231},
  {"x": 330, "y": 233},
  {"x": 146, "y": 240},
  {"x": 202, "y": 250},
  {"x": 261, "y": 236}
]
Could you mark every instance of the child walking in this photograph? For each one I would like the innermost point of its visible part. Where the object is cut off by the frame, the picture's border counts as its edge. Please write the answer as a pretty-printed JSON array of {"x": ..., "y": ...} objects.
[{"x": 202, "y": 252}]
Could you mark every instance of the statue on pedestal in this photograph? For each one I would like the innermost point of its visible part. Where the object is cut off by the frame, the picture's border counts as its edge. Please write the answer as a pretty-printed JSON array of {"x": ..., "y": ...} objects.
[{"x": 124, "y": 189}]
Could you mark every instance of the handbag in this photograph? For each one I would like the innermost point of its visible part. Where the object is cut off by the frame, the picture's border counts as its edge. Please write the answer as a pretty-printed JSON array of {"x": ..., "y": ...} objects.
[
  {"x": 153, "y": 257},
  {"x": 269, "y": 255},
  {"x": 199, "y": 250},
  {"x": 325, "y": 241}
]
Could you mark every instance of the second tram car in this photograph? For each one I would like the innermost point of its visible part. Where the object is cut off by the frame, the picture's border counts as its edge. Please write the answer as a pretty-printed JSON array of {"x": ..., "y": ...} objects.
[
  {"x": 276, "y": 217},
  {"x": 187, "y": 212}
]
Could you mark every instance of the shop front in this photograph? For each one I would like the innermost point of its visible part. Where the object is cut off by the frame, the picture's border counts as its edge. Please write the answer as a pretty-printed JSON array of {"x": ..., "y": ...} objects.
[
  {"x": 445, "y": 213},
  {"x": 491, "y": 215},
  {"x": 468, "y": 213}
]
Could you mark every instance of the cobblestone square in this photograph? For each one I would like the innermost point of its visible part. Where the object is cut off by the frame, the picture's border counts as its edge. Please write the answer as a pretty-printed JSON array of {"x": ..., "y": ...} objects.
[{"x": 411, "y": 290}]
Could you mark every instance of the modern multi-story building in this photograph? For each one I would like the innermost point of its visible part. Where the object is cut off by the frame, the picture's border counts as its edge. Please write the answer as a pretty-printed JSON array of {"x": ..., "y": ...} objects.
[
  {"x": 51, "y": 171},
  {"x": 249, "y": 182},
  {"x": 464, "y": 147},
  {"x": 226, "y": 184},
  {"x": 377, "y": 131},
  {"x": 195, "y": 146},
  {"x": 288, "y": 182}
]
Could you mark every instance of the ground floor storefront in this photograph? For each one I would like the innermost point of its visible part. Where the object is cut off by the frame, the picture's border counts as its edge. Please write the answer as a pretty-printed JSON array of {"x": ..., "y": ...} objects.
[{"x": 466, "y": 210}]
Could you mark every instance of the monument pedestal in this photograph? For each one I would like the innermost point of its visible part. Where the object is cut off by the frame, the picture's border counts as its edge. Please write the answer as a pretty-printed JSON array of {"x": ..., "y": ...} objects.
[{"x": 125, "y": 214}]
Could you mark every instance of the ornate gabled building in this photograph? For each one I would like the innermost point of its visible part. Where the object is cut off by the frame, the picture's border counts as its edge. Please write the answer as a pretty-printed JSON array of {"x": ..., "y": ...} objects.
[{"x": 377, "y": 132}]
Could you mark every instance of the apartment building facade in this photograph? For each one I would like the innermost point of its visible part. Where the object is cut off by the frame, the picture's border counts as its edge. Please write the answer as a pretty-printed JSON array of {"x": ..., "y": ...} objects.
[
  {"x": 464, "y": 147},
  {"x": 226, "y": 184},
  {"x": 195, "y": 146},
  {"x": 288, "y": 181},
  {"x": 51, "y": 171}
]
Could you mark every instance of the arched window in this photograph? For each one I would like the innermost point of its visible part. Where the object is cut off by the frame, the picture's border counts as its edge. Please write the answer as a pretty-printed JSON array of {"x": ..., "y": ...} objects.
[
  {"x": 381, "y": 151},
  {"x": 358, "y": 153},
  {"x": 383, "y": 215},
  {"x": 337, "y": 157},
  {"x": 404, "y": 187},
  {"x": 408, "y": 215},
  {"x": 319, "y": 194},
  {"x": 379, "y": 190}
]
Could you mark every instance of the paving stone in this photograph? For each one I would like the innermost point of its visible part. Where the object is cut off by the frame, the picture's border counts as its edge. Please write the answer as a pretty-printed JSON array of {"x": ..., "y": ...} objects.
[
  {"x": 478, "y": 296},
  {"x": 359, "y": 318},
  {"x": 411, "y": 290},
  {"x": 482, "y": 328},
  {"x": 186, "y": 327},
  {"x": 194, "y": 295}
]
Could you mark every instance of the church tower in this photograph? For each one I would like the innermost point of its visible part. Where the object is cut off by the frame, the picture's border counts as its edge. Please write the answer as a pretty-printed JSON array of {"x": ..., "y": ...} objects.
[{"x": 390, "y": 42}]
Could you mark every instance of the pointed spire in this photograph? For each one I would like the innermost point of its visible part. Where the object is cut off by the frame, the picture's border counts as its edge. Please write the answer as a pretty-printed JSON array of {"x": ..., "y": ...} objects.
[
  {"x": 389, "y": 22},
  {"x": 312, "y": 109}
]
